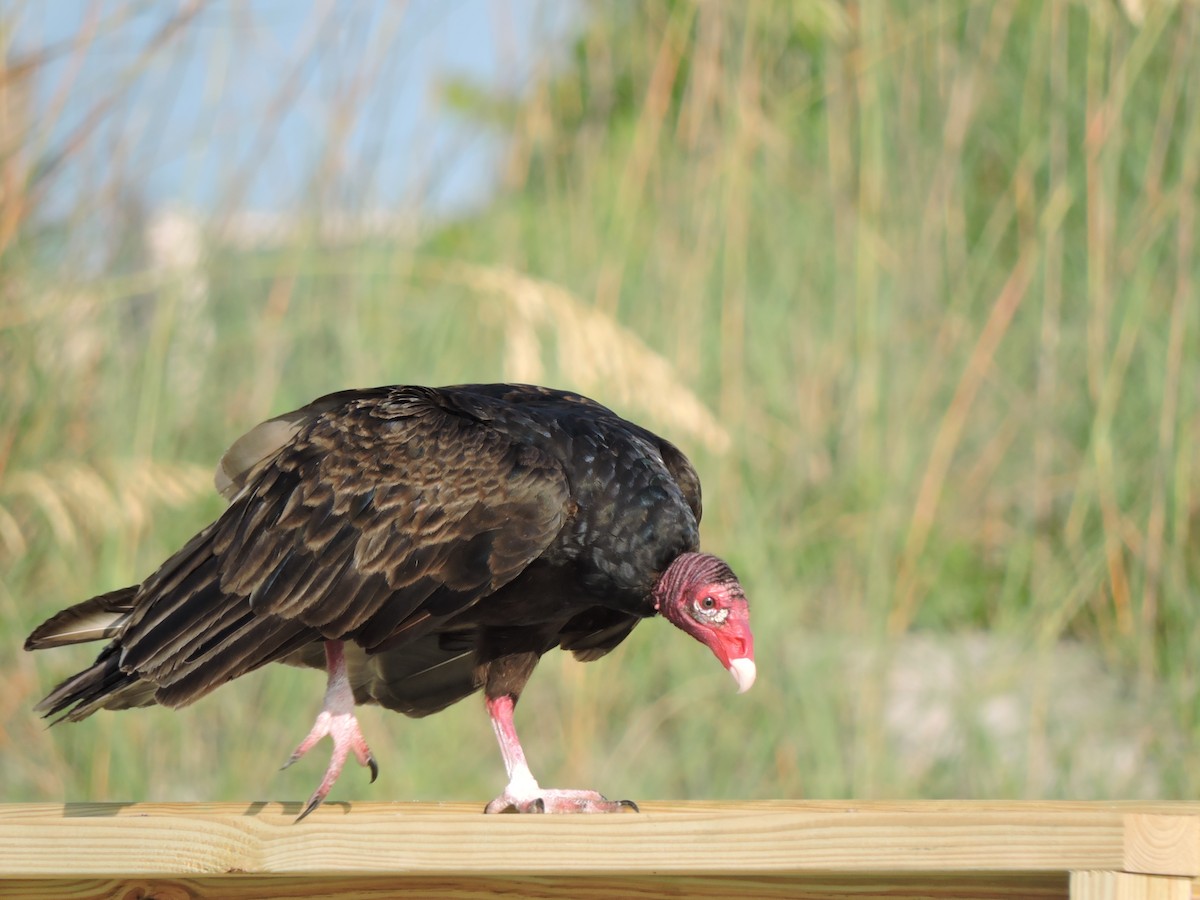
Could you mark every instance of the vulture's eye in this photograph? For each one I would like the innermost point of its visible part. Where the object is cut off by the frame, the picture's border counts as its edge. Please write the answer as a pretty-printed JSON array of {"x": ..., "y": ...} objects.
[{"x": 707, "y": 610}]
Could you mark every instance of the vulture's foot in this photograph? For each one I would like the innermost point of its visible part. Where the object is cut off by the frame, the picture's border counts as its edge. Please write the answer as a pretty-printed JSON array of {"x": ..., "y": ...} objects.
[
  {"x": 347, "y": 736},
  {"x": 556, "y": 801},
  {"x": 337, "y": 721},
  {"x": 523, "y": 794}
]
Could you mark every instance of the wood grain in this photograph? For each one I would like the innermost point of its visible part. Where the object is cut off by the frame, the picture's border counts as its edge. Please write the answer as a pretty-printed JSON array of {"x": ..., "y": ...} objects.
[
  {"x": 770, "y": 849},
  {"x": 260, "y": 887},
  {"x": 1156, "y": 843},
  {"x": 1128, "y": 886}
]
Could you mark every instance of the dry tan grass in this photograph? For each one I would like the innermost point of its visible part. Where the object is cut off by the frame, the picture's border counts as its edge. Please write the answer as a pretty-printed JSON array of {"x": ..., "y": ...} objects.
[
  {"x": 594, "y": 352},
  {"x": 73, "y": 499}
]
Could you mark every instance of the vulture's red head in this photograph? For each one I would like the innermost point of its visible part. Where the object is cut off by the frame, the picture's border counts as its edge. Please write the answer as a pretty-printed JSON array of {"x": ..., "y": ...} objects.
[{"x": 700, "y": 594}]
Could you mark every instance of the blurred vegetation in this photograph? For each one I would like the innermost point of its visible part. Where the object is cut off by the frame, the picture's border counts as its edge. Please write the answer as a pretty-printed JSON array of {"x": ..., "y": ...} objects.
[{"x": 914, "y": 284}]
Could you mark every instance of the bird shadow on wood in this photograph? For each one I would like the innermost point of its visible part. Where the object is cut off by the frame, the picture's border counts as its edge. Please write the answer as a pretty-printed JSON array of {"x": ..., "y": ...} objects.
[
  {"x": 85, "y": 810},
  {"x": 293, "y": 807}
]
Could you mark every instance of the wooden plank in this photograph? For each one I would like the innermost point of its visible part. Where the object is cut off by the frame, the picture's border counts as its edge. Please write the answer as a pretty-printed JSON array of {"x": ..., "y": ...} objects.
[
  {"x": 996, "y": 886},
  {"x": 683, "y": 840},
  {"x": 1128, "y": 886}
]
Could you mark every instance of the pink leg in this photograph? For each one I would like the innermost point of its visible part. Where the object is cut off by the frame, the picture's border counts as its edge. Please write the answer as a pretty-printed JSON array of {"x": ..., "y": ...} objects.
[
  {"x": 523, "y": 794},
  {"x": 336, "y": 720}
]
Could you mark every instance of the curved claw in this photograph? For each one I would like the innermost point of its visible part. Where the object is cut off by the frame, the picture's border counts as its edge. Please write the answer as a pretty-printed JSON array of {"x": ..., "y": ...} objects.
[
  {"x": 628, "y": 804},
  {"x": 313, "y": 802}
]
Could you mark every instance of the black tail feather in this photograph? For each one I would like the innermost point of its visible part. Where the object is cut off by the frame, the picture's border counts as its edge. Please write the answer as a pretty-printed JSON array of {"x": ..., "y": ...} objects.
[{"x": 100, "y": 686}]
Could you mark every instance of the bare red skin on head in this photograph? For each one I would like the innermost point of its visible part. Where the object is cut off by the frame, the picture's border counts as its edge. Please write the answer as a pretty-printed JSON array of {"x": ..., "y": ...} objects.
[{"x": 699, "y": 594}]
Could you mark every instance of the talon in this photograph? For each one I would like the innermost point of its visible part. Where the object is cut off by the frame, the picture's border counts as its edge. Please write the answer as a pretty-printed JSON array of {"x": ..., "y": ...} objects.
[
  {"x": 628, "y": 804},
  {"x": 313, "y": 802},
  {"x": 374, "y": 767}
]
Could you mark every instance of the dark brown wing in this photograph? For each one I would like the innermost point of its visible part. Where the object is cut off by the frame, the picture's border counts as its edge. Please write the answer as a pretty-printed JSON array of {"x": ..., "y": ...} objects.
[
  {"x": 380, "y": 519},
  {"x": 421, "y": 677},
  {"x": 255, "y": 449},
  {"x": 595, "y": 632}
]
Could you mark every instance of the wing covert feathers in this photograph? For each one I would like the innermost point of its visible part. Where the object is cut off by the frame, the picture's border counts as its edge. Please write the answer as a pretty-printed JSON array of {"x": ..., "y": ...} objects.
[{"x": 365, "y": 516}]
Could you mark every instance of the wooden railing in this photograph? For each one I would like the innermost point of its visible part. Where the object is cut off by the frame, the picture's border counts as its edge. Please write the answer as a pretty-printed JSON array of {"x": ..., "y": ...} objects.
[{"x": 825, "y": 849}]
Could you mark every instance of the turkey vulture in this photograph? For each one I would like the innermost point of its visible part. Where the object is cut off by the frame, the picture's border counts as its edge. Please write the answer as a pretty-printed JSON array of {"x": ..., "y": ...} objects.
[{"x": 418, "y": 544}]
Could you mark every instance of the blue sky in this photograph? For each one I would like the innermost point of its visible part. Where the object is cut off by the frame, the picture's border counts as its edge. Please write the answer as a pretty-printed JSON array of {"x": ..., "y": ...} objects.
[{"x": 267, "y": 105}]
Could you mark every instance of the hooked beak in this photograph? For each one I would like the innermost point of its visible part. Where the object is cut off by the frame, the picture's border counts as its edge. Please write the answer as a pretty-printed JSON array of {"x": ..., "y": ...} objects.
[
  {"x": 744, "y": 672},
  {"x": 734, "y": 647}
]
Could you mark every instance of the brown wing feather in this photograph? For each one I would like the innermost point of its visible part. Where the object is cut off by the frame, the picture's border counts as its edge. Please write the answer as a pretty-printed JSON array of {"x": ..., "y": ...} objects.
[
  {"x": 92, "y": 620},
  {"x": 263, "y": 442},
  {"x": 377, "y": 514}
]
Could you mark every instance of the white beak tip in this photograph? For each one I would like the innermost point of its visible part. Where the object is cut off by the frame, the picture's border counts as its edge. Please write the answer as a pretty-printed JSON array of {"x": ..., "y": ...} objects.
[{"x": 744, "y": 672}]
